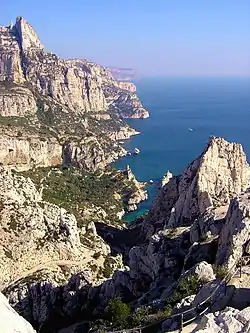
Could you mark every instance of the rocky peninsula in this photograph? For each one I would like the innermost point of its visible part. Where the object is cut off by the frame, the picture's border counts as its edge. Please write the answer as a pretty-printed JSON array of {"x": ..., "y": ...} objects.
[{"x": 68, "y": 263}]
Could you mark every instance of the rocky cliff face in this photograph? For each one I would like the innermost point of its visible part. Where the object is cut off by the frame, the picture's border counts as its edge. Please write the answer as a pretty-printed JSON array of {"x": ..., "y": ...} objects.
[
  {"x": 22, "y": 152},
  {"x": 219, "y": 174},
  {"x": 235, "y": 235},
  {"x": 16, "y": 101},
  {"x": 160, "y": 262},
  {"x": 36, "y": 235},
  {"x": 59, "y": 111},
  {"x": 77, "y": 84}
]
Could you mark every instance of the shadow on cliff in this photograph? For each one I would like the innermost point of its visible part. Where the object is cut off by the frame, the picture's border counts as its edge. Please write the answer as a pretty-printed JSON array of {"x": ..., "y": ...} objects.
[
  {"x": 119, "y": 240},
  {"x": 240, "y": 298},
  {"x": 49, "y": 308}
]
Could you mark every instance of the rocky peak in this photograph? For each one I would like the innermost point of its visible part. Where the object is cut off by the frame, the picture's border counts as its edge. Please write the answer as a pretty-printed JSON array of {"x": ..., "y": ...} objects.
[
  {"x": 27, "y": 36},
  {"x": 219, "y": 174},
  {"x": 77, "y": 84}
]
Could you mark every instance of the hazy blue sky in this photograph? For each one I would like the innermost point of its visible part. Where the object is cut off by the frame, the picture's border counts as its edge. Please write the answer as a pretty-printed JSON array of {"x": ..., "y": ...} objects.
[{"x": 166, "y": 37}]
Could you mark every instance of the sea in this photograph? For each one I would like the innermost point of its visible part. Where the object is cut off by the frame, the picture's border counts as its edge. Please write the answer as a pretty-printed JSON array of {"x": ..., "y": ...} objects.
[{"x": 184, "y": 112}]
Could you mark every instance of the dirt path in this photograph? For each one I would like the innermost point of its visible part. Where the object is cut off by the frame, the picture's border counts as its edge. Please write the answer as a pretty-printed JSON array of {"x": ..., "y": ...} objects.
[{"x": 47, "y": 264}]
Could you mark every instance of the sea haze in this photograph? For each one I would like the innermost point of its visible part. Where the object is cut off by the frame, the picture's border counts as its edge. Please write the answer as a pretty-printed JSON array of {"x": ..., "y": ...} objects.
[{"x": 209, "y": 106}]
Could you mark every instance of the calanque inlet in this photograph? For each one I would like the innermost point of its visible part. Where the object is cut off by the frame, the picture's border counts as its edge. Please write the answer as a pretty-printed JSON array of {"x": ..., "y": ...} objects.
[{"x": 68, "y": 261}]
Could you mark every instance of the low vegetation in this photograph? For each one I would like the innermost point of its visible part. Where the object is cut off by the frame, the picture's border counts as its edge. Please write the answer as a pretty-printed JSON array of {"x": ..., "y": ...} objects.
[
  {"x": 187, "y": 286},
  {"x": 91, "y": 196},
  {"x": 121, "y": 315},
  {"x": 220, "y": 271}
]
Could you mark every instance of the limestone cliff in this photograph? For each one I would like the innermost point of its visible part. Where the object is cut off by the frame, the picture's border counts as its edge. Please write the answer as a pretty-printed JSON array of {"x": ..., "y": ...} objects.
[
  {"x": 55, "y": 111},
  {"x": 234, "y": 238},
  {"x": 16, "y": 100},
  {"x": 158, "y": 263},
  {"x": 220, "y": 173},
  {"x": 22, "y": 152},
  {"x": 78, "y": 84},
  {"x": 38, "y": 236}
]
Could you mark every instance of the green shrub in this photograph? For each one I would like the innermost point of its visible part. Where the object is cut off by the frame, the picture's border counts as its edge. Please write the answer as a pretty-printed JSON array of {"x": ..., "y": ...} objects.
[
  {"x": 189, "y": 285},
  {"x": 119, "y": 313},
  {"x": 139, "y": 316},
  {"x": 107, "y": 267},
  {"x": 220, "y": 271},
  {"x": 168, "y": 310}
]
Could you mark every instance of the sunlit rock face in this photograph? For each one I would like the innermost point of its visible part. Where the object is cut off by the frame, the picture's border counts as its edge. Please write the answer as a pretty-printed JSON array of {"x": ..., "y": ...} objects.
[
  {"x": 219, "y": 174},
  {"x": 80, "y": 85}
]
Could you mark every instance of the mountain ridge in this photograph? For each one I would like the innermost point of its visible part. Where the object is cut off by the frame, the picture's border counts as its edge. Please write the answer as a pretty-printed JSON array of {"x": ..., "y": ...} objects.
[{"x": 72, "y": 108}]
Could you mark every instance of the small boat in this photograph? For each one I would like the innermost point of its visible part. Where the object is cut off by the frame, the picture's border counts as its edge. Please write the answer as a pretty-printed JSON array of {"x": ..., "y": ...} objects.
[
  {"x": 136, "y": 151},
  {"x": 151, "y": 181},
  {"x": 190, "y": 129},
  {"x": 121, "y": 142}
]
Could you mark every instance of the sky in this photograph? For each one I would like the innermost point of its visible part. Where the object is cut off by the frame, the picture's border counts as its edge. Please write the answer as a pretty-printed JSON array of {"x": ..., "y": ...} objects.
[{"x": 154, "y": 37}]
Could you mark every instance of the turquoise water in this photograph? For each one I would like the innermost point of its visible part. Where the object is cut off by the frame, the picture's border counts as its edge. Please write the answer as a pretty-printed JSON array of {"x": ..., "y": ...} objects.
[{"x": 210, "y": 106}]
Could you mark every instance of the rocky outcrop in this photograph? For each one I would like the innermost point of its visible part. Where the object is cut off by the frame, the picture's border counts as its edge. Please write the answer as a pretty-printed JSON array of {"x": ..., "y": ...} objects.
[
  {"x": 37, "y": 235},
  {"x": 10, "y": 321},
  {"x": 166, "y": 178},
  {"x": 17, "y": 101},
  {"x": 219, "y": 174},
  {"x": 235, "y": 234},
  {"x": 138, "y": 194},
  {"x": 127, "y": 86},
  {"x": 225, "y": 321},
  {"x": 77, "y": 84},
  {"x": 10, "y": 61},
  {"x": 26, "y": 35},
  {"x": 202, "y": 271},
  {"x": 22, "y": 153}
]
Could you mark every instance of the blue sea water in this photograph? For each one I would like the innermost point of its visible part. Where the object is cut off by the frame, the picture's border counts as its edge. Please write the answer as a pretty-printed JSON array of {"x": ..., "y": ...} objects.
[{"x": 210, "y": 106}]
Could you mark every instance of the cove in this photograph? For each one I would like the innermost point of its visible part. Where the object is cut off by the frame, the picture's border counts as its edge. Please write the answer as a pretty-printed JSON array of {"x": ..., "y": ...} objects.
[{"x": 209, "y": 106}]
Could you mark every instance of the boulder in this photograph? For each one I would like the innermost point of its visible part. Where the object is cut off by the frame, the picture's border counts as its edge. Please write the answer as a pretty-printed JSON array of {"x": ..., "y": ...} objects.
[
  {"x": 203, "y": 272},
  {"x": 184, "y": 304},
  {"x": 225, "y": 321}
]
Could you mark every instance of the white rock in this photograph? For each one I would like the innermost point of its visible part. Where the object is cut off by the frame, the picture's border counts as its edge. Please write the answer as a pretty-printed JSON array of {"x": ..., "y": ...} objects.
[
  {"x": 236, "y": 231},
  {"x": 10, "y": 321}
]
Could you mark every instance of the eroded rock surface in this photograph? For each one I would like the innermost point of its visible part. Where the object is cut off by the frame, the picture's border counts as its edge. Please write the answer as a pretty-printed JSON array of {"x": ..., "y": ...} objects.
[
  {"x": 160, "y": 262},
  {"x": 36, "y": 235},
  {"x": 219, "y": 174},
  {"x": 78, "y": 84},
  {"x": 235, "y": 233}
]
